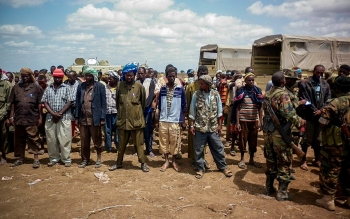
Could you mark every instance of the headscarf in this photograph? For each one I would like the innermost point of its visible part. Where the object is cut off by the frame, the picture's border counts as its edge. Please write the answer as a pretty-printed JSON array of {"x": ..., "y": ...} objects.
[
  {"x": 248, "y": 75},
  {"x": 113, "y": 74},
  {"x": 130, "y": 67},
  {"x": 207, "y": 79},
  {"x": 28, "y": 71},
  {"x": 92, "y": 71}
]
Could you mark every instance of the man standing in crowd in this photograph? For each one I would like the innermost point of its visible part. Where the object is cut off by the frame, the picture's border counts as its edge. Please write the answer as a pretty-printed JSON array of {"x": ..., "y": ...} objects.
[
  {"x": 130, "y": 100},
  {"x": 172, "y": 107},
  {"x": 316, "y": 91},
  {"x": 111, "y": 113},
  {"x": 247, "y": 117},
  {"x": 26, "y": 116},
  {"x": 58, "y": 99},
  {"x": 277, "y": 153},
  {"x": 335, "y": 152},
  {"x": 90, "y": 115},
  {"x": 73, "y": 84},
  {"x": 5, "y": 90},
  {"x": 190, "y": 90},
  {"x": 152, "y": 91},
  {"x": 205, "y": 126}
]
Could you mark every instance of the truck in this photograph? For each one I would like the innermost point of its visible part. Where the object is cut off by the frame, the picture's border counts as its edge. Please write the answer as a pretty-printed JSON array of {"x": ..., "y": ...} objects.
[
  {"x": 102, "y": 65},
  {"x": 219, "y": 57},
  {"x": 278, "y": 52}
]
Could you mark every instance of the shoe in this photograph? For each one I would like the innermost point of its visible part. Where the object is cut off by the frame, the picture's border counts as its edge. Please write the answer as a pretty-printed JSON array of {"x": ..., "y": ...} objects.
[
  {"x": 115, "y": 166},
  {"x": 36, "y": 164},
  {"x": 3, "y": 161},
  {"x": 282, "y": 194},
  {"x": 144, "y": 167},
  {"x": 52, "y": 163},
  {"x": 151, "y": 155},
  {"x": 17, "y": 163},
  {"x": 327, "y": 202},
  {"x": 98, "y": 164},
  {"x": 83, "y": 164},
  {"x": 270, "y": 189},
  {"x": 226, "y": 172},
  {"x": 68, "y": 164}
]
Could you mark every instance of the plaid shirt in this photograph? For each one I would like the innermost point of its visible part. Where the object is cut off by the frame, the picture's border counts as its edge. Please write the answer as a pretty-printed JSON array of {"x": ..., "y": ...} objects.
[
  {"x": 110, "y": 99},
  {"x": 57, "y": 99}
]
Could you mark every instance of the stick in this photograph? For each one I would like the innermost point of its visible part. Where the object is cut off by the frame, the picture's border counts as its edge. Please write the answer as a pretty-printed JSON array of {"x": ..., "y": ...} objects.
[
  {"x": 182, "y": 207},
  {"x": 105, "y": 208}
]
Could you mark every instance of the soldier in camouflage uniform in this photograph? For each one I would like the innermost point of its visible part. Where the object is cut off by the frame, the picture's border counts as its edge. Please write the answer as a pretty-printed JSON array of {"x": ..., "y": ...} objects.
[
  {"x": 277, "y": 153},
  {"x": 5, "y": 90},
  {"x": 335, "y": 156}
]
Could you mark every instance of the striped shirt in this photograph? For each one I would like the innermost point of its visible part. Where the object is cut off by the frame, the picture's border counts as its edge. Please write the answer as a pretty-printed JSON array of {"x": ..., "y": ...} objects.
[
  {"x": 57, "y": 99},
  {"x": 249, "y": 112}
]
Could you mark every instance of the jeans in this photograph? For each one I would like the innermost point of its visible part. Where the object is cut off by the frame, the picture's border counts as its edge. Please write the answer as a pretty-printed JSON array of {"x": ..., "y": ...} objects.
[
  {"x": 216, "y": 147},
  {"x": 110, "y": 127},
  {"x": 148, "y": 130}
]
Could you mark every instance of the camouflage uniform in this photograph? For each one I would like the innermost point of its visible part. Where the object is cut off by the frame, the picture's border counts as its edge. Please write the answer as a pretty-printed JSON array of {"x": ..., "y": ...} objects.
[
  {"x": 335, "y": 156},
  {"x": 278, "y": 155},
  {"x": 5, "y": 89}
]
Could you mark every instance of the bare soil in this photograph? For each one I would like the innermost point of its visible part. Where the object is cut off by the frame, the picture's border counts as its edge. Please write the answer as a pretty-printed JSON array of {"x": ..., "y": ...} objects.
[{"x": 71, "y": 192}]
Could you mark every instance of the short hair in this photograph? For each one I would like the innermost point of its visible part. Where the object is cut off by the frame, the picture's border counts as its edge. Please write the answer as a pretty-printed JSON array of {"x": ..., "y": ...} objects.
[
  {"x": 316, "y": 66},
  {"x": 277, "y": 78},
  {"x": 247, "y": 69},
  {"x": 168, "y": 66},
  {"x": 60, "y": 66},
  {"x": 43, "y": 71},
  {"x": 73, "y": 73},
  {"x": 144, "y": 69},
  {"x": 347, "y": 67},
  {"x": 41, "y": 77},
  {"x": 169, "y": 70},
  {"x": 202, "y": 68}
]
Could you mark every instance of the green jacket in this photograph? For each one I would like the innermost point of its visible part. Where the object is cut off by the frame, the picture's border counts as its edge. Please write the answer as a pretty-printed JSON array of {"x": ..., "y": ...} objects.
[
  {"x": 130, "y": 105},
  {"x": 5, "y": 90},
  {"x": 330, "y": 118}
]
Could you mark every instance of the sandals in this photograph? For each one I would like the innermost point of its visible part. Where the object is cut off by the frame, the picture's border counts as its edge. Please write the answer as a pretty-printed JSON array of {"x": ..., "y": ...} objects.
[
  {"x": 52, "y": 163},
  {"x": 233, "y": 153},
  {"x": 242, "y": 165},
  {"x": 83, "y": 164},
  {"x": 255, "y": 164},
  {"x": 98, "y": 164},
  {"x": 114, "y": 167},
  {"x": 226, "y": 172},
  {"x": 36, "y": 164},
  {"x": 17, "y": 163},
  {"x": 144, "y": 167},
  {"x": 199, "y": 174},
  {"x": 304, "y": 167}
]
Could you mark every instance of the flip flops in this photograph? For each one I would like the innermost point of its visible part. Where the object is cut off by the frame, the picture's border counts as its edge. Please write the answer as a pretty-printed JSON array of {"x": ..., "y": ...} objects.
[
  {"x": 226, "y": 172},
  {"x": 199, "y": 174}
]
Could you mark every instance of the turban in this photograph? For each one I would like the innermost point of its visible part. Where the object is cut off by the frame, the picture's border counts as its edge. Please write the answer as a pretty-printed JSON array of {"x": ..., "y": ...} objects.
[
  {"x": 58, "y": 73},
  {"x": 113, "y": 74},
  {"x": 248, "y": 75},
  {"x": 130, "y": 67},
  {"x": 90, "y": 70},
  {"x": 28, "y": 71},
  {"x": 207, "y": 79}
]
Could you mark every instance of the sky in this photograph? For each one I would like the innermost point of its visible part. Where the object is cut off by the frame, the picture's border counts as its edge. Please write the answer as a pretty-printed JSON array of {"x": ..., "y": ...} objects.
[{"x": 41, "y": 33}]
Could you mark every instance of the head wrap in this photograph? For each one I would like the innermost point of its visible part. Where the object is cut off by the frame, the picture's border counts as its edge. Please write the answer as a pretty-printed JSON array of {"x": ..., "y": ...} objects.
[
  {"x": 28, "y": 71},
  {"x": 90, "y": 70},
  {"x": 190, "y": 71},
  {"x": 113, "y": 74},
  {"x": 228, "y": 73},
  {"x": 299, "y": 71},
  {"x": 219, "y": 71},
  {"x": 207, "y": 79},
  {"x": 130, "y": 67},
  {"x": 248, "y": 75},
  {"x": 58, "y": 73}
]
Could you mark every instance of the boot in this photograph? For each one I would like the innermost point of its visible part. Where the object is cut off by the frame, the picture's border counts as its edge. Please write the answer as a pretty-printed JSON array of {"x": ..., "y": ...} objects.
[
  {"x": 327, "y": 202},
  {"x": 282, "y": 194},
  {"x": 270, "y": 189}
]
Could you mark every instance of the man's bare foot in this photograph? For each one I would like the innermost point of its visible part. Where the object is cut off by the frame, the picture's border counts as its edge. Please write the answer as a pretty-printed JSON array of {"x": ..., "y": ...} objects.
[
  {"x": 176, "y": 167},
  {"x": 304, "y": 166},
  {"x": 164, "y": 167}
]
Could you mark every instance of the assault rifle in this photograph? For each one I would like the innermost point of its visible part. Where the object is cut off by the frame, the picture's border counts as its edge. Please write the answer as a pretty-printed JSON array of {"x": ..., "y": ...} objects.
[{"x": 287, "y": 139}]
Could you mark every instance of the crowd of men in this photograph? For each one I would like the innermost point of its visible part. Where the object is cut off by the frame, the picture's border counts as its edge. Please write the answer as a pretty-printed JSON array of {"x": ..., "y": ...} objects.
[{"x": 51, "y": 106}]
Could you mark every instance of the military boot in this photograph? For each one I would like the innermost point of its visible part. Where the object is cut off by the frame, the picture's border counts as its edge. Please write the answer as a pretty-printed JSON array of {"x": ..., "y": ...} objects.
[
  {"x": 327, "y": 202},
  {"x": 270, "y": 189},
  {"x": 282, "y": 194}
]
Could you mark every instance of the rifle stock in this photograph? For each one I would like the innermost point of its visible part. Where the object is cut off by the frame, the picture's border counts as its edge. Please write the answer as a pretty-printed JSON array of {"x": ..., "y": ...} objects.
[{"x": 287, "y": 139}]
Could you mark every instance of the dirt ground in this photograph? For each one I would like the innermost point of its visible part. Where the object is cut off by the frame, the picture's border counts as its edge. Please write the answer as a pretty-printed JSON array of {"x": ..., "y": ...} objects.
[{"x": 76, "y": 193}]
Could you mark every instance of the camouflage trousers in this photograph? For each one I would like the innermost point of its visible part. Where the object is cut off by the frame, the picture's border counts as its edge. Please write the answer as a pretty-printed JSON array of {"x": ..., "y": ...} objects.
[
  {"x": 278, "y": 156},
  {"x": 335, "y": 168}
]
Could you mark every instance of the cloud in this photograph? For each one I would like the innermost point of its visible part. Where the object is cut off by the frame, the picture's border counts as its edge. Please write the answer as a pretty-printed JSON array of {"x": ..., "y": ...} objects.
[
  {"x": 144, "y": 6},
  {"x": 74, "y": 37},
  {"x": 20, "y": 30},
  {"x": 23, "y": 3},
  {"x": 19, "y": 44}
]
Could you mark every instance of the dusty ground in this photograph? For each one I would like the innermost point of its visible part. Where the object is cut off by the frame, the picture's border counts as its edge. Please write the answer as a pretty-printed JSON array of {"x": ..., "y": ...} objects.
[{"x": 130, "y": 193}]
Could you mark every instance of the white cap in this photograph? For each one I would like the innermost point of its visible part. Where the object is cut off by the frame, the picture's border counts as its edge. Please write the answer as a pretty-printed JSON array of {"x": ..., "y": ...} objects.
[{"x": 219, "y": 71}]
